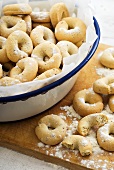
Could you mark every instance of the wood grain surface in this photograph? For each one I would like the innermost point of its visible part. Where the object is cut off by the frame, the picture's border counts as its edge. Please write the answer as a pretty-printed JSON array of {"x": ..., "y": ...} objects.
[{"x": 20, "y": 136}]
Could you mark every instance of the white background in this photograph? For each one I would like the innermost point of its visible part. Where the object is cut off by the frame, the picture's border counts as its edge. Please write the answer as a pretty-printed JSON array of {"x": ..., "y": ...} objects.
[{"x": 10, "y": 160}]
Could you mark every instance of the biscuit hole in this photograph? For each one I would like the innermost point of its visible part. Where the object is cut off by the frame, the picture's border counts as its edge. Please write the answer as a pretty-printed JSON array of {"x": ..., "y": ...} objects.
[
  {"x": 44, "y": 37},
  {"x": 87, "y": 102},
  {"x": 5, "y": 69},
  {"x": 69, "y": 27},
  {"x": 51, "y": 128},
  {"x": 19, "y": 46},
  {"x": 111, "y": 134},
  {"x": 22, "y": 70},
  {"x": 10, "y": 26},
  {"x": 46, "y": 58}
]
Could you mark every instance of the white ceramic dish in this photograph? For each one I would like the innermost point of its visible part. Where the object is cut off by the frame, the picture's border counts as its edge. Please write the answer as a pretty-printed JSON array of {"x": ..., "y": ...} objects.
[{"x": 29, "y": 104}]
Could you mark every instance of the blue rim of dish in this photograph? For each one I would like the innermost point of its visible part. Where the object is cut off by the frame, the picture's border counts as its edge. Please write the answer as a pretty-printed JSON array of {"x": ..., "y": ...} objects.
[{"x": 46, "y": 88}]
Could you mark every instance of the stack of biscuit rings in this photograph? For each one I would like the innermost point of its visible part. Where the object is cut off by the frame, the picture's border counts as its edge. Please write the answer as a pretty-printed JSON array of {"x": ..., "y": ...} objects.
[
  {"x": 21, "y": 43},
  {"x": 51, "y": 129},
  {"x": 105, "y": 85},
  {"x": 87, "y": 102}
]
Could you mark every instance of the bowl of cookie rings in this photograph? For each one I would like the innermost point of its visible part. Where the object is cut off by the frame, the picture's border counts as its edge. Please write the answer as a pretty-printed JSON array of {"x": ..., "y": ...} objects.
[{"x": 44, "y": 45}]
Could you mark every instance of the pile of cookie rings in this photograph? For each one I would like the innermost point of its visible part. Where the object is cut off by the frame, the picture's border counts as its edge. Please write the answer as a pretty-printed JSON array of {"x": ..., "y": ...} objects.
[
  {"x": 33, "y": 44},
  {"x": 89, "y": 104}
]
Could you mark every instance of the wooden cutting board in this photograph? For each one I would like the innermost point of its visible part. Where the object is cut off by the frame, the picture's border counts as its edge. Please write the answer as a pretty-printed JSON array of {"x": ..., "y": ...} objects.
[{"x": 20, "y": 136}]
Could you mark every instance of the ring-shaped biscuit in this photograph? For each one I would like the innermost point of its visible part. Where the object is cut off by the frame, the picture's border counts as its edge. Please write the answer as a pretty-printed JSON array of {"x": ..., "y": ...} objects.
[
  {"x": 105, "y": 140},
  {"x": 79, "y": 43},
  {"x": 18, "y": 45},
  {"x": 78, "y": 142},
  {"x": 17, "y": 9},
  {"x": 25, "y": 70},
  {"x": 87, "y": 102},
  {"x": 70, "y": 29},
  {"x": 107, "y": 58},
  {"x": 47, "y": 55},
  {"x": 89, "y": 121},
  {"x": 48, "y": 73},
  {"x": 45, "y": 24},
  {"x": 9, "y": 24},
  {"x": 57, "y": 12},
  {"x": 3, "y": 54},
  {"x": 8, "y": 81},
  {"x": 27, "y": 19},
  {"x": 51, "y": 129},
  {"x": 104, "y": 85},
  {"x": 41, "y": 34},
  {"x": 40, "y": 16},
  {"x": 67, "y": 48}
]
